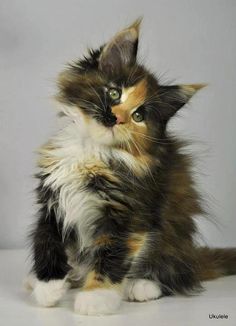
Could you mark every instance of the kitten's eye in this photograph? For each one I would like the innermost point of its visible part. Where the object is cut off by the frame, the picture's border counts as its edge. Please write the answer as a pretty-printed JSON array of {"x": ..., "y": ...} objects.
[
  {"x": 114, "y": 94},
  {"x": 138, "y": 116}
]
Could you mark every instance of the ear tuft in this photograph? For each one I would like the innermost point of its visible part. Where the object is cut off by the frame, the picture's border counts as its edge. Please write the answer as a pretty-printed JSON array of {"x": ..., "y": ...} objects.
[
  {"x": 136, "y": 25},
  {"x": 191, "y": 89}
]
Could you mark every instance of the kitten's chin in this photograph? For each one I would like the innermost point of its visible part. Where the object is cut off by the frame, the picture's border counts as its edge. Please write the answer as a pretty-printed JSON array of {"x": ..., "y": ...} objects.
[
  {"x": 112, "y": 136},
  {"x": 105, "y": 138},
  {"x": 101, "y": 135}
]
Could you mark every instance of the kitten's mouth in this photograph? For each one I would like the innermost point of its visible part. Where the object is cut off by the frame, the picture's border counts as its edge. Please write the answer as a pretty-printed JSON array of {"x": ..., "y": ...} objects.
[
  {"x": 120, "y": 134},
  {"x": 112, "y": 131}
]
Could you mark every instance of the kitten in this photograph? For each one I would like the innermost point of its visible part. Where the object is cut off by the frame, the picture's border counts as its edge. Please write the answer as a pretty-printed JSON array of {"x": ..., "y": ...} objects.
[{"x": 116, "y": 195}]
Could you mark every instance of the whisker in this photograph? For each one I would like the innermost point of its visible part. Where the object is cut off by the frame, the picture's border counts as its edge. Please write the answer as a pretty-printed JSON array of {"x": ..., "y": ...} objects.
[
  {"x": 90, "y": 103},
  {"x": 145, "y": 163},
  {"x": 152, "y": 139},
  {"x": 98, "y": 96}
]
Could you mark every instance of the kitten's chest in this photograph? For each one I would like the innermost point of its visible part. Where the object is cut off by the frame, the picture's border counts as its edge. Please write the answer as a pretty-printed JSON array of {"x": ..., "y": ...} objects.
[{"x": 80, "y": 183}]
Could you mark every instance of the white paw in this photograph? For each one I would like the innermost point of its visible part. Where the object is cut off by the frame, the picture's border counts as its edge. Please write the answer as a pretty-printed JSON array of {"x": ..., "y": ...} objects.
[
  {"x": 47, "y": 294},
  {"x": 141, "y": 290},
  {"x": 97, "y": 302},
  {"x": 29, "y": 282}
]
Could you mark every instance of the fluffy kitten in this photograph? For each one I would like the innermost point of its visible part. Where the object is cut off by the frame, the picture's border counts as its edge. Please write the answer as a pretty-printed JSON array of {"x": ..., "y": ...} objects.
[{"x": 117, "y": 200}]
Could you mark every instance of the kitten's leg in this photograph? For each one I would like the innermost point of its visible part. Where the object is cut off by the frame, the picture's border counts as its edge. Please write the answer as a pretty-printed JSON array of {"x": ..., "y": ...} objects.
[
  {"x": 102, "y": 289},
  {"x": 49, "y": 262},
  {"x": 168, "y": 274},
  {"x": 141, "y": 290},
  {"x": 136, "y": 287}
]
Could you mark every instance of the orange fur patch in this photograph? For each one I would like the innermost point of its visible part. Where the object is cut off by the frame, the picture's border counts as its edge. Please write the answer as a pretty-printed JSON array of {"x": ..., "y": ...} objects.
[
  {"x": 103, "y": 240},
  {"x": 97, "y": 168},
  {"x": 97, "y": 281},
  {"x": 209, "y": 275},
  {"x": 135, "y": 97},
  {"x": 136, "y": 242}
]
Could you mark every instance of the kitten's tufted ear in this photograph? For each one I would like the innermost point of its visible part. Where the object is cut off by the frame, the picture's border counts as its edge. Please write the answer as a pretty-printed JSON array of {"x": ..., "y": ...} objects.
[
  {"x": 121, "y": 50},
  {"x": 172, "y": 98}
]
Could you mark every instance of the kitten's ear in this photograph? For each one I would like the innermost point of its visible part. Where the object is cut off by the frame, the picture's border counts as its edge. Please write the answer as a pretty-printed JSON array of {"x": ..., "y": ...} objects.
[
  {"x": 172, "y": 98},
  {"x": 121, "y": 50}
]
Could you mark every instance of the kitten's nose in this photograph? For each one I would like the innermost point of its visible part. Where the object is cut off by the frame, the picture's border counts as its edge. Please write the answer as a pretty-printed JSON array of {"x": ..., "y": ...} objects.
[
  {"x": 110, "y": 120},
  {"x": 119, "y": 119}
]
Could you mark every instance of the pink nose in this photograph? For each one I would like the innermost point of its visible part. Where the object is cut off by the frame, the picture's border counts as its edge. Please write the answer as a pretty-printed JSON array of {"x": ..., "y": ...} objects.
[{"x": 119, "y": 119}]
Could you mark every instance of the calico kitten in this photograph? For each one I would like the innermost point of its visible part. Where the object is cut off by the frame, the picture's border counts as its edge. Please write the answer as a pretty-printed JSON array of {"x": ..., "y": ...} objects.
[{"x": 117, "y": 199}]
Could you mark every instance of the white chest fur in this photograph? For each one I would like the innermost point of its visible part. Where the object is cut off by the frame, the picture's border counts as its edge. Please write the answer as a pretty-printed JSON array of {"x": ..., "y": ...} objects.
[{"x": 73, "y": 160}]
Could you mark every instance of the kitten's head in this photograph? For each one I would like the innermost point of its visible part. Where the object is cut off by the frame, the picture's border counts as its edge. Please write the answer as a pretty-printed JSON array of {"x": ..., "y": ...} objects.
[{"x": 114, "y": 100}]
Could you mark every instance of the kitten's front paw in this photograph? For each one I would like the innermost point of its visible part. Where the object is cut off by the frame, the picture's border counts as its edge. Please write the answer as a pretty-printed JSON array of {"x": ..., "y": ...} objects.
[
  {"x": 47, "y": 294},
  {"x": 97, "y": 302},
  {"x": 141, "y": 290},
  {"x": 29, "y": 282}
]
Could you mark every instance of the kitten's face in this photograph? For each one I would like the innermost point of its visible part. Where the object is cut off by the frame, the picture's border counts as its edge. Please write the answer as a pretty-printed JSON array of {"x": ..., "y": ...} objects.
[{"x": 117, "y": 102}]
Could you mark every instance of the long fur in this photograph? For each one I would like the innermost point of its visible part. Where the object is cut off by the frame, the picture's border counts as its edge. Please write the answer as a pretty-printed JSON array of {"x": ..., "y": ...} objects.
[{"x": 116, "y": 194}]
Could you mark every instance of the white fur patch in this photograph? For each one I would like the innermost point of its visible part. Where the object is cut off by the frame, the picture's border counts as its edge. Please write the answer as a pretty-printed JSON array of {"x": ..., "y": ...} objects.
[
  {"x": 97, "y": 302},
  {"x": 77, "y": 206},
  {"x": 125, "y": 93},
  {"x": 141, "y": 290},
  {"x": 47, "y": 294}
]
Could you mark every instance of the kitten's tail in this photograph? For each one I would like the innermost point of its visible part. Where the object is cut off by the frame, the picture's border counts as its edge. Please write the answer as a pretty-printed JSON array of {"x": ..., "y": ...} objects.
[{"x": 215, "y": 263}]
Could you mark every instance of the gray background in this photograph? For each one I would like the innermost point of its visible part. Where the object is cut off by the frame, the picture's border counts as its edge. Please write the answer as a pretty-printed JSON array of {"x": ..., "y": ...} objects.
[{"x": 190, "y": 41}]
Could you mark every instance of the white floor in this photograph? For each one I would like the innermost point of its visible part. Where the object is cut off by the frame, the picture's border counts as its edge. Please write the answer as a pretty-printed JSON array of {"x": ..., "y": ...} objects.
[{"x": 18, "y": 308}]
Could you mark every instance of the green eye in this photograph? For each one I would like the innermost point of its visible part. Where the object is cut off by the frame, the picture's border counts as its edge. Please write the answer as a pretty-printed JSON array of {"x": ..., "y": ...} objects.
[
  {"x": 114, "y": 94},
  {"x": 137, "y": 116}
]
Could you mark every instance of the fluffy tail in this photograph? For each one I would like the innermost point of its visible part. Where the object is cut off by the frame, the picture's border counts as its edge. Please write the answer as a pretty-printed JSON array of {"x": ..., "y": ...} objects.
[{"x": 215, "y": 263}]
